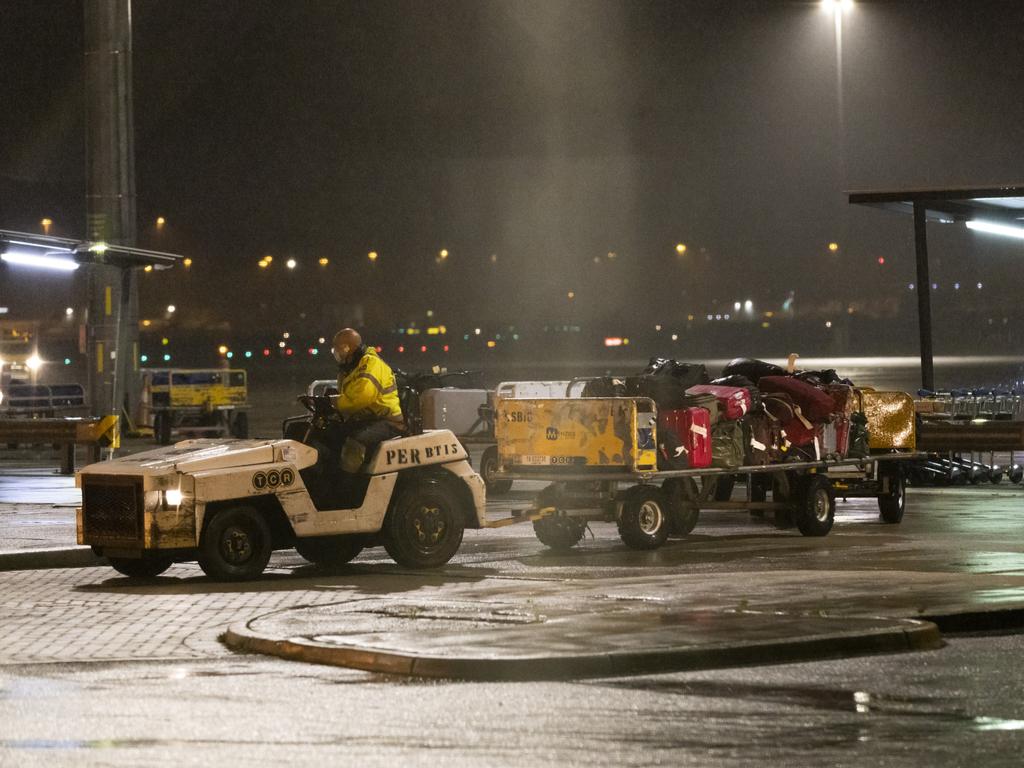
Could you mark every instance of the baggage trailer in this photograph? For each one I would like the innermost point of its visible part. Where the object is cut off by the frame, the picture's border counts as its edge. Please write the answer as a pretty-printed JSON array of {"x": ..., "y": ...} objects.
[
  {"x": 599, "y": 459},
  {"x": 212, "y": 402}
]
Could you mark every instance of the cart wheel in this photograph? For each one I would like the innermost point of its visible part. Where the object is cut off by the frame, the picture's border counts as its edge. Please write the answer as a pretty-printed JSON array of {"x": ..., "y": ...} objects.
[
  {"x": 330, "y": 550},
  {"x": 683, "y": 510},
  {"x": 723, "y": 487},
  {"x": 1015, "y": 473},
  {"x": 488, "y": 466},
  {"x": 995, "y": 474},
  {"x": 558, "y": 532},
  {"x": 815, "y": 509},
  {"x": 783, "y": 491},
  {"x": 892, "y": 504},
  {"x": 240, "y": 425},
  {"x": 140, "y": 568},
  {"x": 644, "y": 521}
]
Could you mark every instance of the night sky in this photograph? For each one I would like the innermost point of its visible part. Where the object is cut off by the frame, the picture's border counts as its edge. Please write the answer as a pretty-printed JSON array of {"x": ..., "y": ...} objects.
[{"x": 530, "y": 140}]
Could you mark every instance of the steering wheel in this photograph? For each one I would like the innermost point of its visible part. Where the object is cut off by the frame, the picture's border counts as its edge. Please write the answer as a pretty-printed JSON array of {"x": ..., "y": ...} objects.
[{"x": 319, "y": 406}]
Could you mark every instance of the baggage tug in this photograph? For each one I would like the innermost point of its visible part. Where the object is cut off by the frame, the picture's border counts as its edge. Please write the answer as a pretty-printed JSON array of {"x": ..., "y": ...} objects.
[{"x": 228, "y": 503}]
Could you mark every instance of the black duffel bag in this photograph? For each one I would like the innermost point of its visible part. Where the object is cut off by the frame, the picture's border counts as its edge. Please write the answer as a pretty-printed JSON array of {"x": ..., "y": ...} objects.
[
  {"x": 691, "y": 374},
  {"x": 752, "y": 369},
  {"x": 667, "y": 392},
  {"x": 604, "y": 386}
]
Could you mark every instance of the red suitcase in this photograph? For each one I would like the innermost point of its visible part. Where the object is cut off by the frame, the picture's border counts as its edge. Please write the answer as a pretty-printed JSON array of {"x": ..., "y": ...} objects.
[
  {"x": 733, "y": 402},
  {"x": 836, "y": 437},
  {"x": 684, "y": 438},
  {"x": 815, "y": 404}
]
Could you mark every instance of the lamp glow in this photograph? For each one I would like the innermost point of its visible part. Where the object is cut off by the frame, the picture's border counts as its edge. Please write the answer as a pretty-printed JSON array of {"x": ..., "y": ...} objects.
[
  {"x": 996, "y": 229},
  {"x": 173, "y": 497},
  {"x": 34, "y": 362},
  {"x": 37, "y": 260}
]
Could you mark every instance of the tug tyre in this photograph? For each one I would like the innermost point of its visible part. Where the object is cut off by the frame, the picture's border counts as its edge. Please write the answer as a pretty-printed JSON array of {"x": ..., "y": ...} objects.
[
  {"x": 488, "y": 466},
  {"x": 423, "y": 528},
  {"x": 892, "y": 505},
  {"x": 815, "y": 510},
  {"x": 140, "y": 568},
  {"x": 683, "y": 510},
  {"x": 330, "y": 550},
  {"x": 240, "y": 425},
  {"x": 644, "y": 522},
  {"x": 559, "y": 533},
  {"x": 235, "y": 545}
]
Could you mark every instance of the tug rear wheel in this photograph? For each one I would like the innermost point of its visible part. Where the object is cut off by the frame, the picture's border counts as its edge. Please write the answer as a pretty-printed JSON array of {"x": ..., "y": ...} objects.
[{"x": 423, "y": 528}]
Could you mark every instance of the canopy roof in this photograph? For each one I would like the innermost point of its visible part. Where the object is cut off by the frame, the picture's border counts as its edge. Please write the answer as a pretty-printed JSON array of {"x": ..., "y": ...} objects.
[
  {"x": 87, "y": 252},
  {"x": 1003, "y": 204}
]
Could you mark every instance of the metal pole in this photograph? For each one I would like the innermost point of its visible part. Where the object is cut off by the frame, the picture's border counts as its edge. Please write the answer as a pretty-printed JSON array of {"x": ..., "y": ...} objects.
[
  {"x": 112, "y": 333},
  {"x": 924, "y": 297}
]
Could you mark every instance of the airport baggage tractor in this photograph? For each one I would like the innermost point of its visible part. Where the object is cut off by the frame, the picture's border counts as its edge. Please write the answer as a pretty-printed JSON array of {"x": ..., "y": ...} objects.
[
  {"x": 684, "y": 438},
  {"x": 733, "y": 402},
  {"x": 455, "y": 409}
]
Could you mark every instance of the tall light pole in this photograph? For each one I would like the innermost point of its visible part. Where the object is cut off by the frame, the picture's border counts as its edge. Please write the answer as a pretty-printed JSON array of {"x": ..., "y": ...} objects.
[{"x": 112, "y": 328}]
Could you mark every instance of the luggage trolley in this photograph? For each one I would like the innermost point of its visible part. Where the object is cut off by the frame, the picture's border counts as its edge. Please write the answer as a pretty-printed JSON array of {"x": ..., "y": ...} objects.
[{"x": 599, "y": 457}]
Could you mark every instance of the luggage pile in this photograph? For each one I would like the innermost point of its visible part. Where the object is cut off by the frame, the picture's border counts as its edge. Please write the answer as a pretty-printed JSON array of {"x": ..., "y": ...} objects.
[{"x": 757, "y": 413}]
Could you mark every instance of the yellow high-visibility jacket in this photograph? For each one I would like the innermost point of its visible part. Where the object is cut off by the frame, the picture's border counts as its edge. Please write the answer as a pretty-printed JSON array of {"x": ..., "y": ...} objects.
[{"x": 369, "y": 390}]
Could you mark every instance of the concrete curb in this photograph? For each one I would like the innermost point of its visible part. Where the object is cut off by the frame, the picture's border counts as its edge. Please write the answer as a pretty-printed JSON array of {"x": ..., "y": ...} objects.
[
  {"x": 908, "y": 635},
  {"x": 37, "y": 559}
]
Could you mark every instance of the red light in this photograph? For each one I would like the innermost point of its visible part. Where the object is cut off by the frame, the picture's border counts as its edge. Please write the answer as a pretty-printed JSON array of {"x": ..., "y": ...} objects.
[
  {"x": 288, "y": 351},
  {"x": 379, "y": 350},
  {"x": 423, "y": 348},
  {"x": 401, "y": 349},
  {"x": 266, "y": 352},
  {"x": 445, "y": 347},
  {"x": 881, "y": 259},
  {"x": 311, "y": 351}
]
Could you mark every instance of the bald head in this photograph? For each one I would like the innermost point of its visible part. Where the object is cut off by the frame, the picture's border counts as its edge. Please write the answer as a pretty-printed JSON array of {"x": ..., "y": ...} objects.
[{"x": 346, "y": 342}]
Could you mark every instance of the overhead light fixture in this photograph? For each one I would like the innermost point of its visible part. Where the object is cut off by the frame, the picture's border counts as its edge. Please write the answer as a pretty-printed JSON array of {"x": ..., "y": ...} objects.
[
  {"x": 996, "y": 229},
  {"x": 41, "y": 261}
]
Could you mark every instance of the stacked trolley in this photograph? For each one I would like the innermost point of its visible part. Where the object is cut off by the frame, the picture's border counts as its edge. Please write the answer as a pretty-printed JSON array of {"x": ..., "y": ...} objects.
[
  {"x": 966, "y": 432},
  {"x": 599, "y": 456}
]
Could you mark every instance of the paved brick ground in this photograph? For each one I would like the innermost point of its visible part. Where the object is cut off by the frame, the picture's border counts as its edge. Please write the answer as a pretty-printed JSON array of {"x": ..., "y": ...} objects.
[{"x": 88, "y": 615}]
